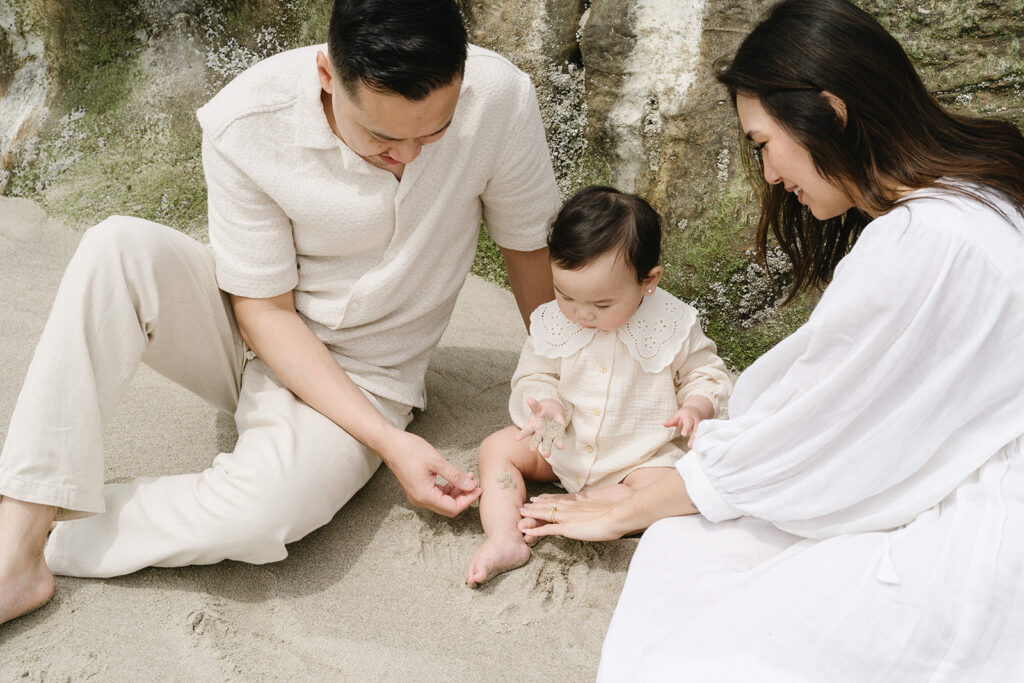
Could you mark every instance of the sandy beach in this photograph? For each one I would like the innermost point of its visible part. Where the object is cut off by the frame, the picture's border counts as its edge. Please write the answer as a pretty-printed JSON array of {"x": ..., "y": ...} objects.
[{"x": 377, "y": 594}]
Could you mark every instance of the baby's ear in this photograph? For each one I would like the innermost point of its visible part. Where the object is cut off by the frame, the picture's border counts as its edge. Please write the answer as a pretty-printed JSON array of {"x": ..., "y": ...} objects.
[{"x": 652, "y": 279}]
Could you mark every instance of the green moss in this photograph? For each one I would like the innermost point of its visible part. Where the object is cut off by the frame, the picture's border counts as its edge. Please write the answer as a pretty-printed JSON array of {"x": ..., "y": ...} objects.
[
  {"x": 489, "y": 263},
  {"x": 8, "y": 64},
  {"x": 710, "y": 263},
  {"x": 118, "y": 140}
]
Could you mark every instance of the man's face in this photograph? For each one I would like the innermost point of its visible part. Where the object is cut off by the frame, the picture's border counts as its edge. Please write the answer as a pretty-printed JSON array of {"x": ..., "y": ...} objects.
[{"x": 385, "y": 129}]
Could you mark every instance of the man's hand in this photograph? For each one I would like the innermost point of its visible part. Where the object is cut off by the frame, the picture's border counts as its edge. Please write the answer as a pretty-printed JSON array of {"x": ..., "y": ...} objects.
[
  {"x": 546, "y": 426},
  {"x": 416, "y": 465}
]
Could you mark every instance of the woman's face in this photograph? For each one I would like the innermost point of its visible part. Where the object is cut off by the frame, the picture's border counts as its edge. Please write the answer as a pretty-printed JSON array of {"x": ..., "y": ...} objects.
[{"x": 788, "y": 162}]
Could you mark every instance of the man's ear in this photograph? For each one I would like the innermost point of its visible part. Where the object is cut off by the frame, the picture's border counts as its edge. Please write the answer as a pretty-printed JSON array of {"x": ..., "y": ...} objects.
[
  {"x": 838, "y": 106},
  {"x": 651, "y": 281},
  {"x": 325, "y": 72}
]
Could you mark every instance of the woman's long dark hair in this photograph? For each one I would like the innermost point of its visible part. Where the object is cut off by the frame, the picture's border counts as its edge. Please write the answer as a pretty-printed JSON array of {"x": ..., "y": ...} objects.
[{"x": 895, "y": 133}]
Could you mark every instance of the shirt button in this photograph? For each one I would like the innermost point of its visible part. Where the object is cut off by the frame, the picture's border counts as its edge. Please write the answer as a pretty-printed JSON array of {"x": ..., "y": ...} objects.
[
  {"x": 597, "y": 411},
  {"x": 577, "y": 480},
  {"x": 589, "y": 449},
  {"x": 604, "y": 369}
]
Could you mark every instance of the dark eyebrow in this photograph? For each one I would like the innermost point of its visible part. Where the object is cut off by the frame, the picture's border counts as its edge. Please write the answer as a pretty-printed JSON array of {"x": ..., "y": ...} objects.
[
  {"x": 596, "y": 303},
  {"x": 391, "y": 139}
]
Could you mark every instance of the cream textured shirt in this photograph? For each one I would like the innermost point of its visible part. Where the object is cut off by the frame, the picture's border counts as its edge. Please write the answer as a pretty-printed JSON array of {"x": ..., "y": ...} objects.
[
  {"x": 617, "y": 387},
  {"x": 375, "y": 263}
]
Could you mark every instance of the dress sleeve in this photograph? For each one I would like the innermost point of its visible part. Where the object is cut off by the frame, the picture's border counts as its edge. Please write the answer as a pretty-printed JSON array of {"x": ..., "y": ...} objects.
[
  {"x": 698, "y": 371},
  {"x": 250, "y": 234},
  {"x": 535, "y": 377},
  {"x": 899, "y": 386},
  {"x": 521, "y": 199}
]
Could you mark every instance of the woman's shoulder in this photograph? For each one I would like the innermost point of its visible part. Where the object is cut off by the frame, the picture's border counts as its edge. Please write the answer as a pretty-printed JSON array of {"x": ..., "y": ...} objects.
[{"x": 948, "y": 218}]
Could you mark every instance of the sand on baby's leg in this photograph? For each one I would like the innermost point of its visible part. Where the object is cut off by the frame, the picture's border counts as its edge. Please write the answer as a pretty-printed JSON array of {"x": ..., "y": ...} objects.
[{"x": 504, "y": 462}]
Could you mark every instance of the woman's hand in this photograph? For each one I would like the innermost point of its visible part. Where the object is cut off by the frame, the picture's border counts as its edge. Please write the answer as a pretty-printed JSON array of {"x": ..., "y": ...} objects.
[
  {"x": 571, "y": 516},
  {"x": 546, "y": 426},
  {"x": 598, "y": 520}
]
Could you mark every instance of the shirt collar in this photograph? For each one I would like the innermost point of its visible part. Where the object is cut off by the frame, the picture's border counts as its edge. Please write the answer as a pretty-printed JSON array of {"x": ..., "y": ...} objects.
[{"x": 312, "y": 131}]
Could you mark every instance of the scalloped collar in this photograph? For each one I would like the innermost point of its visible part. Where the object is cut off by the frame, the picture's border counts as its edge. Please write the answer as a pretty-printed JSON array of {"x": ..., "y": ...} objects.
[{"x": 653, "y": 336}]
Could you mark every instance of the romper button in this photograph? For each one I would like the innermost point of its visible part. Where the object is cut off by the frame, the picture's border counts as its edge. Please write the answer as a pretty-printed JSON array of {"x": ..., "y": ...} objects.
[
  {"x": 597, "y": 411},
  {"x": 577, "y": 480},
  {"x": 604, "y": 369},
  {"x": 589, "y": 449}
]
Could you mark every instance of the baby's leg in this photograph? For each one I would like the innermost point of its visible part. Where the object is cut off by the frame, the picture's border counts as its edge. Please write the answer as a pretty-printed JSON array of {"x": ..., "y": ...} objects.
[
  {"x": 644, "y": 477},
  {"x": 504, "y": 462},
  {"x": 637, "y": 479}
]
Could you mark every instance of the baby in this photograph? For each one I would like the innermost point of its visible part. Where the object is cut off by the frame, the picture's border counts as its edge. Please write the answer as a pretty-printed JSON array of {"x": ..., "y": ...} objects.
[{"x": 615, "y": 373}]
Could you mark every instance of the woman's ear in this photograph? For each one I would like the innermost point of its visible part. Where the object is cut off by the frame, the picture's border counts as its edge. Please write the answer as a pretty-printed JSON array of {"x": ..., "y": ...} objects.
[
  {"x": 651, "y": 281},
  {"x": 838, "y": 106}
]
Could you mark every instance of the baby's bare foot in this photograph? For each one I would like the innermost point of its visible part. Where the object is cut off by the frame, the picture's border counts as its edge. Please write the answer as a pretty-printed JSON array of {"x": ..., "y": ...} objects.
[{"x": 498, "y": 554}]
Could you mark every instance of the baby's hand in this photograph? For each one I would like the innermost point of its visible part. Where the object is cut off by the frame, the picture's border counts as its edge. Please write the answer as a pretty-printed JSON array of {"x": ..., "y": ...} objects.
[
  {"x": 686, "y": 419},
  {"x": 546, "y": 426}
]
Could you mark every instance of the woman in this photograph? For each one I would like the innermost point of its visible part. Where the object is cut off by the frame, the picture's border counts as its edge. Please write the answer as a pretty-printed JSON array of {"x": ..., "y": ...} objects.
[{"x": 862, "y": 512}]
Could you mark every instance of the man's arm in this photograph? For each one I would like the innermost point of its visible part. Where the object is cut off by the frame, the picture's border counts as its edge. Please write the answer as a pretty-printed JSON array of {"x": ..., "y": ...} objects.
[
  {"x": 275, "y": 332},
  {"x": 529, "y": 275}
]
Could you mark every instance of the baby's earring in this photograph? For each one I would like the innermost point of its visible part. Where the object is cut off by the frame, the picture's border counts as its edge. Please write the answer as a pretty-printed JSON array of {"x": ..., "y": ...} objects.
[{"x": 650, "y": 291}]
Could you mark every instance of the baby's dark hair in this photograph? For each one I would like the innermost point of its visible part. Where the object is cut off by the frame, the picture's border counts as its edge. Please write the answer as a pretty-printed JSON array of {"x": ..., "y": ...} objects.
[{"x": 600, "y": 219}]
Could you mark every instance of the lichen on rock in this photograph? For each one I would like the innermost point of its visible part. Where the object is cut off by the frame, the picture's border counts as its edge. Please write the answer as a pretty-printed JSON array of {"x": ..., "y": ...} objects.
[{"x": 97, "y": 102}]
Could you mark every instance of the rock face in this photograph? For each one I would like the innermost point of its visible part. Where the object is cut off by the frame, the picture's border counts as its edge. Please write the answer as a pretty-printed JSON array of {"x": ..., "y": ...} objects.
[
  {"x": 97, "y": 102},
  {"x": 25, "y": 84}
]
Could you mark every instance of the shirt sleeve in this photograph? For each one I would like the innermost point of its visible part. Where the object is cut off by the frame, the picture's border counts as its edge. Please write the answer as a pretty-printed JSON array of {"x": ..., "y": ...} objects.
[
  {"x": 521, "y": 199},
  {"x": 698, "y": 371},
  {"x": 250, "y": 234},
  {"x": 897, "y": 388},
  {"x": 535, "y": 377}
]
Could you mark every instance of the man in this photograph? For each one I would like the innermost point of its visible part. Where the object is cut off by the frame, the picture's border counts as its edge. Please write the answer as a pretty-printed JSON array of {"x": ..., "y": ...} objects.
[{"x": 346, "y": 190}]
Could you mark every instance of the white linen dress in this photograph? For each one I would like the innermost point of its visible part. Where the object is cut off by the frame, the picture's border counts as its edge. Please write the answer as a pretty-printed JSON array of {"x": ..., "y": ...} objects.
[{"x": 863, "y": 508}]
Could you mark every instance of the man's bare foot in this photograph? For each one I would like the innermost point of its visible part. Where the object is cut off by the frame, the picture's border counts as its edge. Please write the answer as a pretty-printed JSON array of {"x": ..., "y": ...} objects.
[
  {"x": 498, "y": 554},
  {"x": 23, "y": 591},
  {"x": 25, "y": 581}
]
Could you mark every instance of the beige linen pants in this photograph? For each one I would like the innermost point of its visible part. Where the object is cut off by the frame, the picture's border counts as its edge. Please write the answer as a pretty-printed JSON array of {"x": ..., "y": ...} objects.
[{"x": 138, "y": 291}]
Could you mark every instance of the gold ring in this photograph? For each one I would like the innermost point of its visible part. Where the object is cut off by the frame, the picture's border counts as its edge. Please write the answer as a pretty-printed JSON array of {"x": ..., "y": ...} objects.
[{"x": 551, "y": 518}]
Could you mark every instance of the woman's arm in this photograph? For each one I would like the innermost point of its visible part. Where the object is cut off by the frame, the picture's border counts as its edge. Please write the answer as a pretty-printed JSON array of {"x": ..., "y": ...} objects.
[{"x": 591, "y": 520}]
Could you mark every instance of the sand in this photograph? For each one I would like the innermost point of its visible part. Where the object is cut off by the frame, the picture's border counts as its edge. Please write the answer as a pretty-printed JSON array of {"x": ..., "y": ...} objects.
[{"x": 376, "y": 594}]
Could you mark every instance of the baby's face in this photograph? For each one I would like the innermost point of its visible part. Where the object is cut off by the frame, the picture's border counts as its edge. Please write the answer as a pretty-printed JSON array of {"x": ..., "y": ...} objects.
[{"x": 603, "y": 294}]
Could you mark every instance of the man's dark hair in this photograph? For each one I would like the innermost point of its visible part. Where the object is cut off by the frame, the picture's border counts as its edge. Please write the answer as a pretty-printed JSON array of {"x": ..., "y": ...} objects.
[
  {"x": 600, "y": 219},
  {"x": 407, "y": 47}
]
